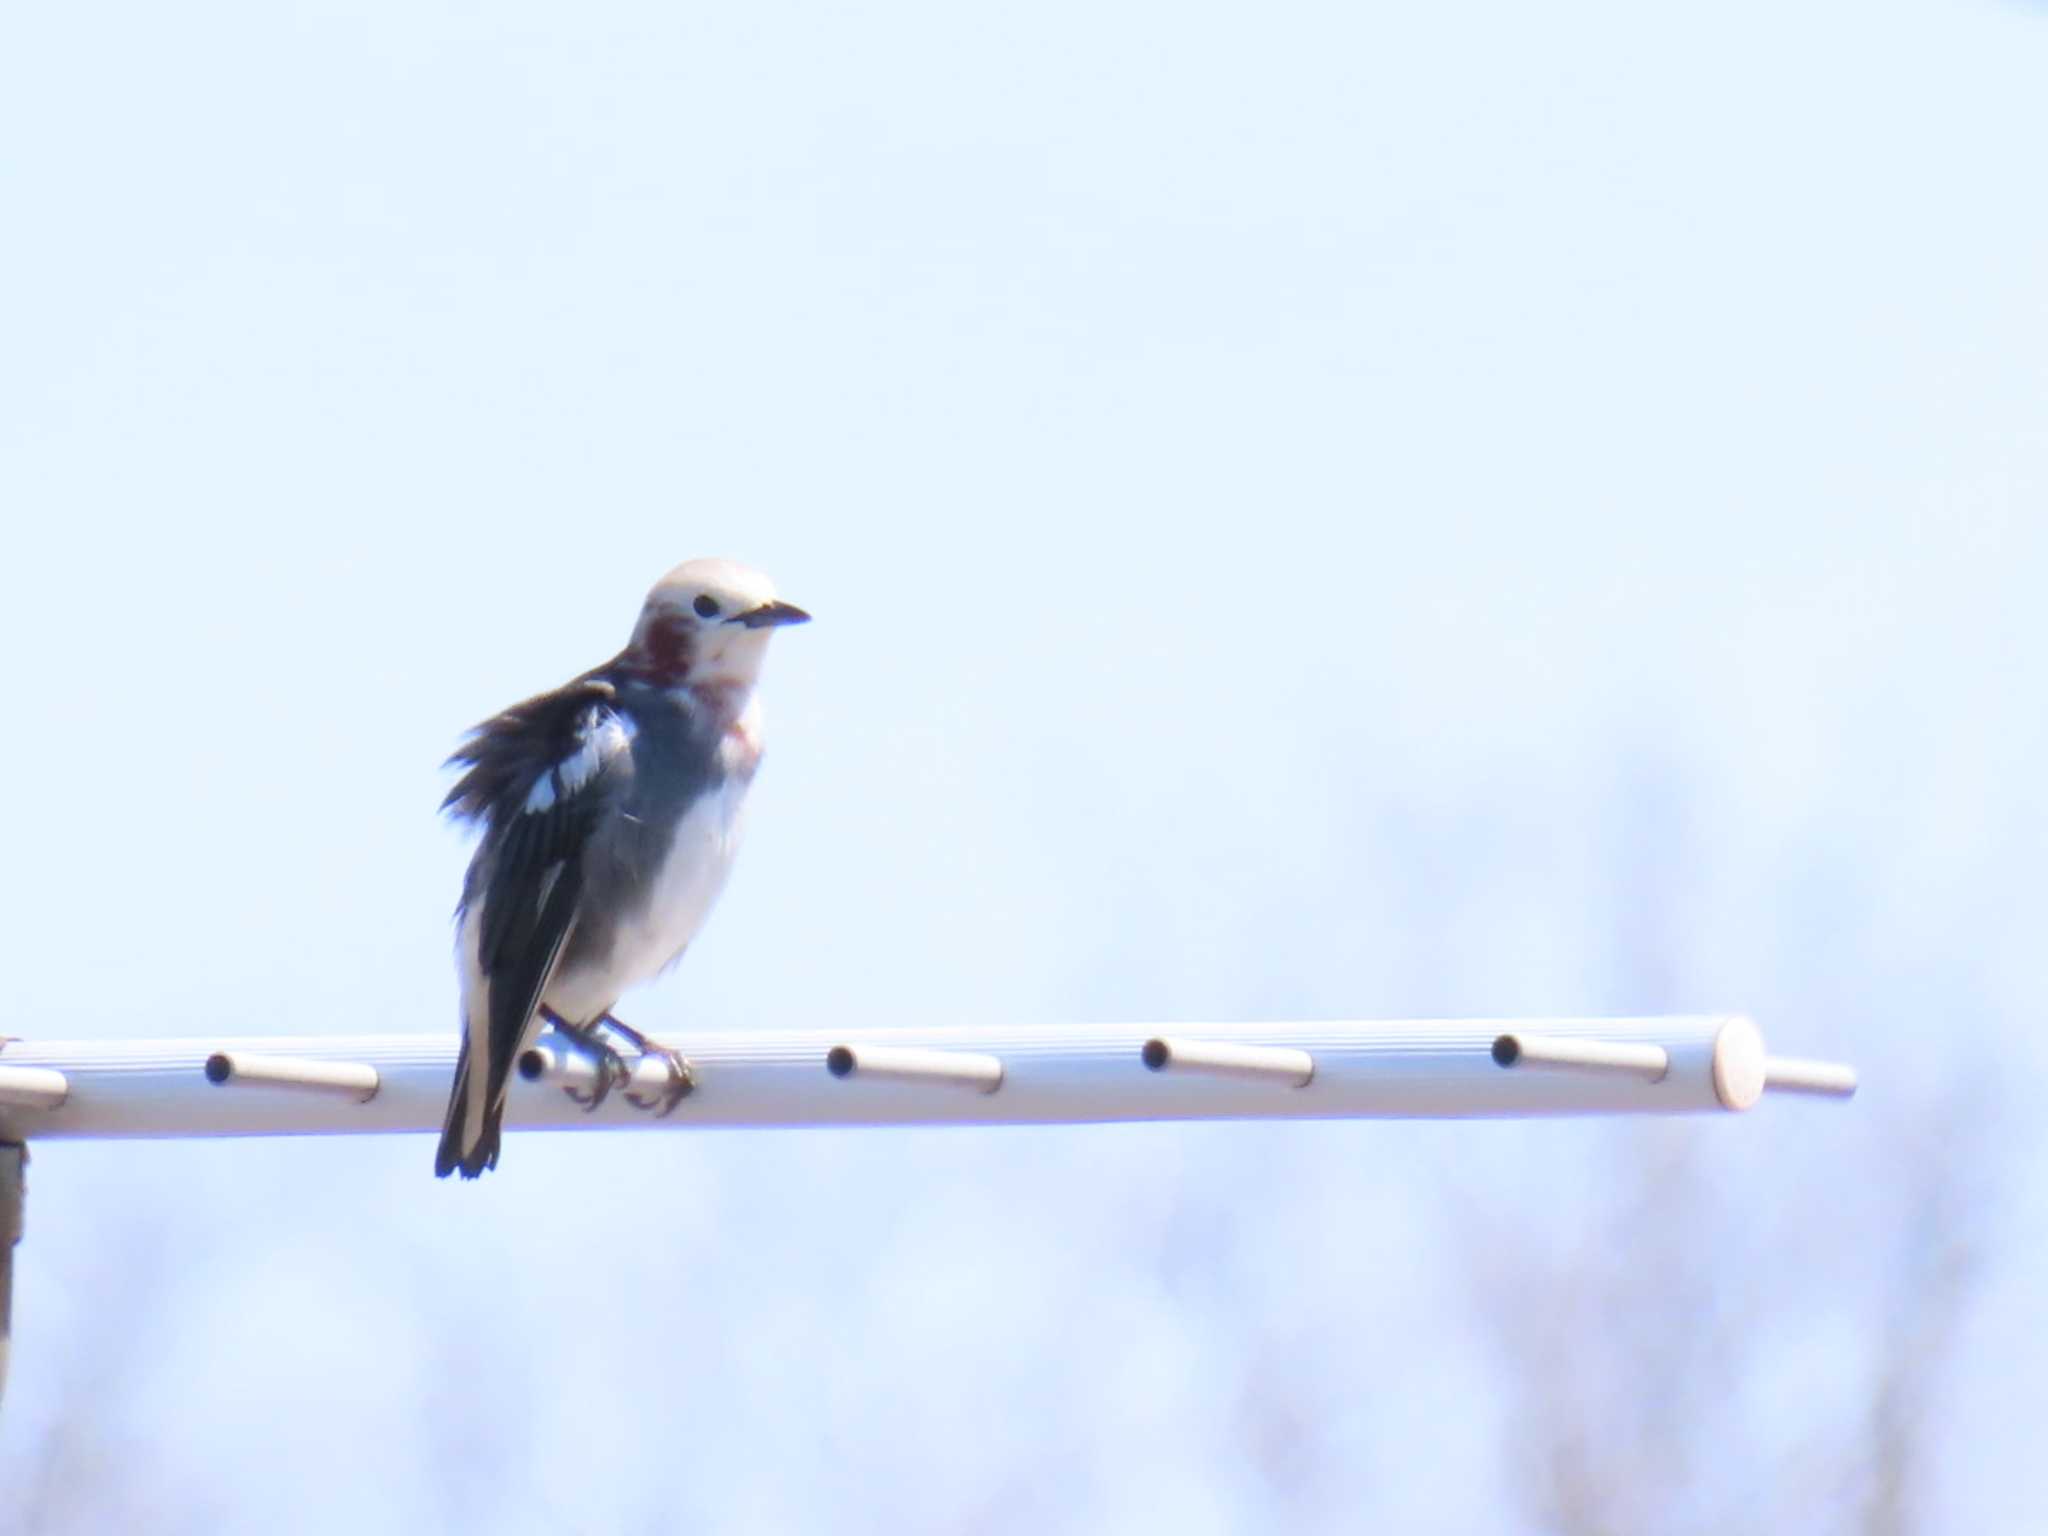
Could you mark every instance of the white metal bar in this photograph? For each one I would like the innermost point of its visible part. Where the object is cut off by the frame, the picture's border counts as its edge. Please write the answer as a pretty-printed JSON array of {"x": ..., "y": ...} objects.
[
  {"x": 1825, "y": 1079},
  {"x": 910, "y": 1064},
  {"x": 1285, "y": 1065},
  {"x": 1545, "y": 1053},
  {"x": 32, "y": 1087},
  {"x": 1051, "y": 1073},
  {"x": 349, "y": 1079}
]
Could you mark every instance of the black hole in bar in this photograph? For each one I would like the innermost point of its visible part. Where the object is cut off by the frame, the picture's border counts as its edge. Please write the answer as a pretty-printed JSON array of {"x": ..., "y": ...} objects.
[
  {"x": 839, "y": 1061},
  {"x": 1154, "y": 1054},
  {"x": 1506, "y": 1051},
  {"x": 532, "y": 1064},
  {"x": 218, "y": 1068}
]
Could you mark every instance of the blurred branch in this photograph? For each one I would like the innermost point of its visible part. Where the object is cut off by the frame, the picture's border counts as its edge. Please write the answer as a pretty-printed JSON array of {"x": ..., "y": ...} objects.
[{"x": 1634, "y": 1357}]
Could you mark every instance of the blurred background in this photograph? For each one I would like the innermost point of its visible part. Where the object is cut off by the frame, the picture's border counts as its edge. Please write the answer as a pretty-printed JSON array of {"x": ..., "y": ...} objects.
[{"x": 1312, "y": 511}]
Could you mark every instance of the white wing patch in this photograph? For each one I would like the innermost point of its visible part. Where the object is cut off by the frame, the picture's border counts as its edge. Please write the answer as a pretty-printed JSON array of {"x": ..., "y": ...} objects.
[{"x": 604, "y": 736}]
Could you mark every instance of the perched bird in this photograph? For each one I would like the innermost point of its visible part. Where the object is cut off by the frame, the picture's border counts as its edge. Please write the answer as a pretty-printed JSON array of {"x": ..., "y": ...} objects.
[{"x": 610, "y": 813}]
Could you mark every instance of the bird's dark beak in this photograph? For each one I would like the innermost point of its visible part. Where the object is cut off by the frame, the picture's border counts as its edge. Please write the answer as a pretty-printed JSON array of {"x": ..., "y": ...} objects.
[{"x": 771, "y": 613}]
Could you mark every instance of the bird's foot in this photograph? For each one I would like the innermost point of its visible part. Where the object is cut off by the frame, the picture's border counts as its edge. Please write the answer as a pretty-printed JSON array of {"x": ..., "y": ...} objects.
[
  {"x": 682, "y": 1077},
  {"x": 612, "y": 1071},
  {"x": 682, "y": 1081}
]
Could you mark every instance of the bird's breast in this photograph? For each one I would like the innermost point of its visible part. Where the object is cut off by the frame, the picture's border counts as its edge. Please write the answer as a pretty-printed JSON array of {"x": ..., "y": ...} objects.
[
  {"x": 688, "y": 881},
  {"x": 655, "y": 923},
  {"x": 659, "y": 876}
]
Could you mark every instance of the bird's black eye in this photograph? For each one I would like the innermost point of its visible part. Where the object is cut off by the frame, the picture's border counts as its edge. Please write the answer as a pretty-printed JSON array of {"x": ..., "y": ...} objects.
[{"x": 706, "y": 606}]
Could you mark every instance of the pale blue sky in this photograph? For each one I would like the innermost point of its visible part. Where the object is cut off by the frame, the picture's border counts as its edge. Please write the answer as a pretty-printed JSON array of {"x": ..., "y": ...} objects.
[{"x": 1311, "y": 510}]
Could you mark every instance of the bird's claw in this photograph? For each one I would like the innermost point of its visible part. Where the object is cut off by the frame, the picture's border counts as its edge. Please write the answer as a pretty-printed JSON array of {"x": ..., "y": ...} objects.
[
  {"x": 612, "y": 1072},
  {"x": 682, "y": 1081}
]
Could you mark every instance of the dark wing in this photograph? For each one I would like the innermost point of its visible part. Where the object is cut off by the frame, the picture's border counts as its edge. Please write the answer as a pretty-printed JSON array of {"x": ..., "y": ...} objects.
[
  {"x": 509, "y": 752},
  {"x": 541, "y": 778}
]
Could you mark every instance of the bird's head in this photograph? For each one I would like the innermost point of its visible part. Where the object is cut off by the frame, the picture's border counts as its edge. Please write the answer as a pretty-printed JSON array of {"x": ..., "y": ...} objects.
[{"x": 706, "y": 625}]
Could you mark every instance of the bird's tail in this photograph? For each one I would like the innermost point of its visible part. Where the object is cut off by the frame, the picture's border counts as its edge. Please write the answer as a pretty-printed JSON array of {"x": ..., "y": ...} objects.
[{"x": 470, "y": 1149}]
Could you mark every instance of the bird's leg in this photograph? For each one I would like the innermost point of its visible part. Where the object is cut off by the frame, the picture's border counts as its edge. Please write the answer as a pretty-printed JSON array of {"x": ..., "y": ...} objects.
[
  {"x": 625, "y": 1031},
  {"x": 611, "y": 1066},
  {"x": 682, "y": 1077}
]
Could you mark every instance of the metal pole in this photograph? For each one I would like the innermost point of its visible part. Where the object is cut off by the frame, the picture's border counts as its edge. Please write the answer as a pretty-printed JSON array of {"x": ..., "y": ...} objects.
[
  {"x": 13, "y": 1159},
  {"x": 283, "y": 1085}
]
